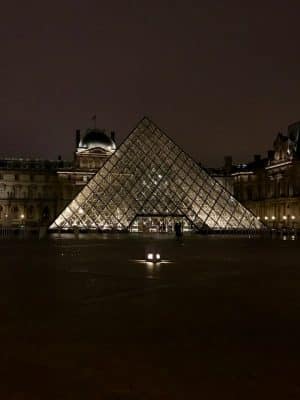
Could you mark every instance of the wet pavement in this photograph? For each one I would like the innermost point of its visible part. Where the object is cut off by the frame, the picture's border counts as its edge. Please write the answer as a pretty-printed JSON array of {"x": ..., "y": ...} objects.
[{"x": 219, "y": 318}]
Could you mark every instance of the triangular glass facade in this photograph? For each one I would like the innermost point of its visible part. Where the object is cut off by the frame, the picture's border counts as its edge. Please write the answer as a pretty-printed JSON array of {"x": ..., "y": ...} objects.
[{"x": 150, "y": 176}]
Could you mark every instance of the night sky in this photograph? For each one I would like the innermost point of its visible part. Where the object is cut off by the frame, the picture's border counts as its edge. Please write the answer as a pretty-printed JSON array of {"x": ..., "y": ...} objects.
[{"x": 220, "y": 77}]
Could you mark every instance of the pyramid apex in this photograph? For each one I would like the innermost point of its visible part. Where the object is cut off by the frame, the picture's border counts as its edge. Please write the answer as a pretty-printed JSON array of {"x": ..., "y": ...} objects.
[{"x": 146, "y": 119}]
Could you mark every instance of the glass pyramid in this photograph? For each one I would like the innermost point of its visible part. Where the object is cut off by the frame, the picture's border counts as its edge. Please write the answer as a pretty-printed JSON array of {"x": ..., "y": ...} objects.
[{"x": 150, "y": 176}]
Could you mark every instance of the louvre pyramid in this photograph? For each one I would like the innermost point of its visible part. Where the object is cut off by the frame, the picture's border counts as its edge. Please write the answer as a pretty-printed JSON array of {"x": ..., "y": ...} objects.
[{"x": 149, "y": 175}]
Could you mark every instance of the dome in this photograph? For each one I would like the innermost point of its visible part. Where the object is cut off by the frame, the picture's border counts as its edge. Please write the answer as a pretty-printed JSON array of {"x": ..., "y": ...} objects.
[{"x": 96, "y": 138}]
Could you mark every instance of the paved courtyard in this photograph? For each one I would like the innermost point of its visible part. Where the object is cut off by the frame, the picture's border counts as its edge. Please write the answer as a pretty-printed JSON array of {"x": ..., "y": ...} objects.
[{"x": 219, "y": 318}]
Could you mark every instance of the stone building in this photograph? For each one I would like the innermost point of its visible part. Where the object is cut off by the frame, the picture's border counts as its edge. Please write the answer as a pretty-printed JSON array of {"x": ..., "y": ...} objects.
[
  {"x": 270, "y": 186},
  {"x": 33, "y": 192}
]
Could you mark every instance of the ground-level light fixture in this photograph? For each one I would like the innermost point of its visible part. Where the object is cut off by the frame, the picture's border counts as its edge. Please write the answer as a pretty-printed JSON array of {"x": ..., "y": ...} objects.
[{"x": 153, "y": 257}]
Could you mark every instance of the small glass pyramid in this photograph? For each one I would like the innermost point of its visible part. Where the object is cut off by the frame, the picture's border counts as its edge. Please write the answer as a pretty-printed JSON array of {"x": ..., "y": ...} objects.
[{"x": 149, "y": 177}]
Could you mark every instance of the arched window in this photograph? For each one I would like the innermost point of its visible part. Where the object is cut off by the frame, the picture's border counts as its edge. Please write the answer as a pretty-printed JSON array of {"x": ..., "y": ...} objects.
[
  {"x": 15, "y": 211},
  {"x": 30, "y": 211},
  {"x": 45, "y": 213}
]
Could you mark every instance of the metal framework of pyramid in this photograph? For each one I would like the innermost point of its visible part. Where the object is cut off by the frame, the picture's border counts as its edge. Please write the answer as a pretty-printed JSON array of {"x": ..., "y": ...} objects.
[{"x": 149, "y": 175}]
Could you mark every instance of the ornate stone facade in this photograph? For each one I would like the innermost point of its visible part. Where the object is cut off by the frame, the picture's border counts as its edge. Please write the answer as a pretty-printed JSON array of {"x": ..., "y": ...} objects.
[
  {"x": 33, "y": 192},
  {"x": 270, "y": 186}
]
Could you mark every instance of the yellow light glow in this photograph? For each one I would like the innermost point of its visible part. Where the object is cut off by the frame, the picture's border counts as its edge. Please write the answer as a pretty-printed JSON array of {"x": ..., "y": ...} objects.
[{"x": 150, "y": 256}]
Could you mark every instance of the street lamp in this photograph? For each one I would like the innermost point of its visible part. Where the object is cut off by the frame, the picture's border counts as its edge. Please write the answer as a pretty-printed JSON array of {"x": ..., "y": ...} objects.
[
  {"x": 273, "y": 221},
  {"x": 293, "y": 222}
]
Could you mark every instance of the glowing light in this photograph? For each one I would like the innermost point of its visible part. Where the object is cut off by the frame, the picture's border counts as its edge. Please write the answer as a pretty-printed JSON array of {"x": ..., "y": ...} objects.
[
  {"x": 153, "y": 257},
  {"x": 293, "y": 217},
  {"x": 22, "y": 216},
  {"x": 284, "y": 217},
  {"x": 258, "y": 217},
  {"x": 273, "y": 217},
  {"x": 266, "y": 218},
  {"x": 150, "y": 256}
]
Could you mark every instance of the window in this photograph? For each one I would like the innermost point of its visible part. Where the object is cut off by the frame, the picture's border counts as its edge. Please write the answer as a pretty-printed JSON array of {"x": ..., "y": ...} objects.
[
  {"x": 15, "y": 211},
  {"x": 249, "y": 193},
  {"x": 30, "y": 211}
]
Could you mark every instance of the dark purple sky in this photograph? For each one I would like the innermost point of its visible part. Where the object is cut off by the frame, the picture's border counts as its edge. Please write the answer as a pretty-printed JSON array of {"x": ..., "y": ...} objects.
[{"x": 220, "y": 79}]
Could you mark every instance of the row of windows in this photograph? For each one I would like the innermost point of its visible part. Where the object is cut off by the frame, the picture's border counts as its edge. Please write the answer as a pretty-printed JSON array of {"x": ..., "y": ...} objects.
[
  {"x": 270, "y": 190},
  {"x": 22, "y": 214},
  {"x": 32, "y": 178}
]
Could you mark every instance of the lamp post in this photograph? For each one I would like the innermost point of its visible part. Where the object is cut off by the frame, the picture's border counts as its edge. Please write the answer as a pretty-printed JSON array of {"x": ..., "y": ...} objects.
[
  {"x": 266, "y": 219},
  {"x": 293, "y": 218},
  {"x": 22, "y": 216},
  {"x": 273, "y": 221},
  {"x": 284, "y": 219}
]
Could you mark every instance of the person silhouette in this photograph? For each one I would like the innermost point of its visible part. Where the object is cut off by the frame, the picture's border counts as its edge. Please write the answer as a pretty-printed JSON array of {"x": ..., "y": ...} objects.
[{"x": 178, "y": 230}]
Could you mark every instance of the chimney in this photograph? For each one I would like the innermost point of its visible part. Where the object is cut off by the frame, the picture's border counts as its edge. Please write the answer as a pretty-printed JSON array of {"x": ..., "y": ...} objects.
[
  {"x": 113, "y": 136},
  {"x": 228, "y": 163},
  {"x": 271, "y": 154},
  {"x": 77, "y": 138},
  {"x": 257, "y": 158}
]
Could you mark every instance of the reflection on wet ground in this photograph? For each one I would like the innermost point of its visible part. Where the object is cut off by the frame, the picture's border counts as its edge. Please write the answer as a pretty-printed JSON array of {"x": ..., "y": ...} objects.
[{"x": 217, "y": 317}]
